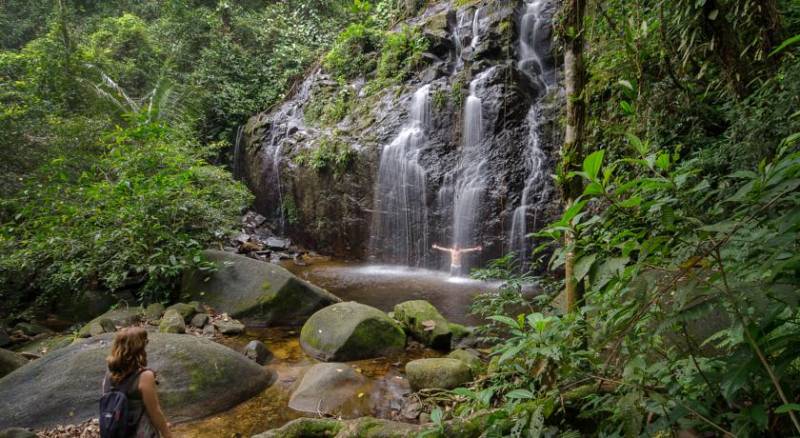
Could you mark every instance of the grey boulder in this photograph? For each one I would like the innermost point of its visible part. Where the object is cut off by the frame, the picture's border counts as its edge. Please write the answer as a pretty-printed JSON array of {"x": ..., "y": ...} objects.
[
  {"x": 443, "y": 373},
  {"x": 172, "y": 322},
  {"x": 330, "y": 388},
  {"x": 255, "y": 291},
  {"x": 197, "y": 378}
]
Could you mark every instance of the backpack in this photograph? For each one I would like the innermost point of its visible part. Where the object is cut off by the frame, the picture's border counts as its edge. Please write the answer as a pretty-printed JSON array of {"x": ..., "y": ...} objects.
[{"x": 114, "y": 413}]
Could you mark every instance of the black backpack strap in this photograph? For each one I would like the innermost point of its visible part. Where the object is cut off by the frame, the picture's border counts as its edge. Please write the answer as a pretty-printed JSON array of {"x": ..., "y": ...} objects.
[{"x": 125, "y": 385}]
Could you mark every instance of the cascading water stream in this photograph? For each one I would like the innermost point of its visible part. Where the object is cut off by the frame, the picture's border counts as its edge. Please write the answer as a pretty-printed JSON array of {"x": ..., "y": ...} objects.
[
  {"x": 471, "y": 181},
  {"x": 476, "y": 28},
  {"x": 237, "y": 153},
  {"x": 534, "y": 52},
  {"x": 286, "y": 119},
  {"x": 400, "y": 224}
]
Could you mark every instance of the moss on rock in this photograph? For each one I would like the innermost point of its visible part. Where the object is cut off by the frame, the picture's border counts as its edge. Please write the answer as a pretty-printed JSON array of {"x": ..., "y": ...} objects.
[
  {"x": 351, "y": 331},
  {"x": 425, "y": 323}
]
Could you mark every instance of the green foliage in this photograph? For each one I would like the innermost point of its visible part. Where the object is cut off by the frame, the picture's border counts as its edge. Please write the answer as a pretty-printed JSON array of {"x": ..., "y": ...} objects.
[
  {"x": 331, "y": 155},
  {"x": 439, "y": 98},
  {"x": 401, "y": 53},
  {"x": 328, "y": 109},
  {"x": 290, "y": 211},
  {"x": 355, "y": 52},
  {"x": 139, "y": 216},
  {"x": 685, "y": 241}
]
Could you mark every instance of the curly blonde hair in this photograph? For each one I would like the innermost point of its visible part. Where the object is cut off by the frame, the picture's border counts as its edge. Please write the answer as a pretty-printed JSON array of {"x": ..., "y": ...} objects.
[{"x": 127, "y": 353}]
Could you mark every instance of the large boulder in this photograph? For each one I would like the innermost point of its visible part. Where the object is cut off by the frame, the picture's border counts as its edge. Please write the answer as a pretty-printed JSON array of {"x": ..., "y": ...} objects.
[
  {"x": 351, "y": 331},
  {"x": 255, "y": 291},
  {"x": 444, "y": 373},
  {"x": 331, "y": 388},
  {"x": 197, "y": 378},
  {"x": 425, "y": 323},
  {"x": 10, "y": 361}
]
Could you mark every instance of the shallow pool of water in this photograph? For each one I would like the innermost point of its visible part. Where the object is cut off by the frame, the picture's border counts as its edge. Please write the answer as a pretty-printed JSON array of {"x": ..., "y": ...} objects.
[{"x": 383, "y": 286}]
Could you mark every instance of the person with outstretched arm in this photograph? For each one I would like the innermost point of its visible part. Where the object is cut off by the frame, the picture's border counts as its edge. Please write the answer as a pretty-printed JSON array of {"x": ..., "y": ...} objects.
[{"x": 455, "y": 256}]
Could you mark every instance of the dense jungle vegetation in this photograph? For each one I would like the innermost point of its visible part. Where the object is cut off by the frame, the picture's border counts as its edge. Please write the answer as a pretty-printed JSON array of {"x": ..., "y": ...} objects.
[
  {"x": 678, "y": 245},
  {"x": 115, "y": 117}
]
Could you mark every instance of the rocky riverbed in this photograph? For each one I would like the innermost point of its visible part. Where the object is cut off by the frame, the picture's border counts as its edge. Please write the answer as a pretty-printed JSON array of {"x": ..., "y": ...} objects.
[{"x": 234, "y": 368}]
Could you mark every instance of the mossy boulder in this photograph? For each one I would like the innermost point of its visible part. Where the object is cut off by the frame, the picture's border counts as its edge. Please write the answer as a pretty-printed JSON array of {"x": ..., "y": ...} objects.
[
  {"x": 443, "y": 373},
  {"x": 364, "y": 427},
  {"x": 469, "y": 357},
  {"x": 197, "y": 378},
  {"x": 255, "y": 291},
  {"x": 425, "y": 323},
  {"x": 172, "y": 322},
  {"x": 331, "y": 388},
  {"x": 10, "y": 361},
  {"x": 154, "y": 312},
  {"x": 31, "y": 328},
  {"x": 185, "y": 310},
  {"x": 121, "y": 317},
  {"x": 97, "y": 328},
  {"x": 351, "y": 331}
]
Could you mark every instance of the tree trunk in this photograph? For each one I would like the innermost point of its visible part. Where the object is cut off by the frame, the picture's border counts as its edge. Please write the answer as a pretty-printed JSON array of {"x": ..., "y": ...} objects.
[{"x": 572, "y": 151}]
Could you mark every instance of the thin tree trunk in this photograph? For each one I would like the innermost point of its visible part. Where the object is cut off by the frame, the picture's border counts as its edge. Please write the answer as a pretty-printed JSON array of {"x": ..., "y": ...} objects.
[{"x": 573, "y": 149}]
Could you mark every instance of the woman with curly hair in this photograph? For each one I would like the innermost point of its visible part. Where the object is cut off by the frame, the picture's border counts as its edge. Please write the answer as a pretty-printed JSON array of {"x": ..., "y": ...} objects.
[{"x": 128, "y": 372}]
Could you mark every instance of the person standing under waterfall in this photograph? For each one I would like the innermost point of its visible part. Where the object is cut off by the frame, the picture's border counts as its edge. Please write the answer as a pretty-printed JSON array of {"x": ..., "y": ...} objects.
[{"x": 455, "y": 256}]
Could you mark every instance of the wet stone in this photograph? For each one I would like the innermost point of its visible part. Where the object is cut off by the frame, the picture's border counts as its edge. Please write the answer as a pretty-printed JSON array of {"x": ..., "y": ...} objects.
[
  {"x": 258, "y": 352},
  {"x": 230, "y": 327},
  {"x": 200, "y": 320}
]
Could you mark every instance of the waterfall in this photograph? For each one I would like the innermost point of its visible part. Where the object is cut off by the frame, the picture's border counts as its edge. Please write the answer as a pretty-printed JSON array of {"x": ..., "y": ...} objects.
[
  {"x": 237, "y": 153},
  {"x": 535, "y": 61},
  {"x": 400, "y": 224},
  {"x": 286, "y": 120},
  {"x": 535, "y": 58},
  {"x": 476, "y": 28},
  {"x": 470, "y": 184},
  {"x": 457, "y": 43}
]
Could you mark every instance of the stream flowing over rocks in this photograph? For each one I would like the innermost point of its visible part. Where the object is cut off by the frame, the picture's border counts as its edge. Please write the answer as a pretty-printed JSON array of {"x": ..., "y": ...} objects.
[{"x": 459, "y": 154}]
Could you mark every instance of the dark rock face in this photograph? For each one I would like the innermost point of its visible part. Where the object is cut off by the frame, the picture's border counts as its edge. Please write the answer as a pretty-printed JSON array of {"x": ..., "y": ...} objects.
[
  {"x": 197, "y": 378},
  {"x": 337, "y": 211}
]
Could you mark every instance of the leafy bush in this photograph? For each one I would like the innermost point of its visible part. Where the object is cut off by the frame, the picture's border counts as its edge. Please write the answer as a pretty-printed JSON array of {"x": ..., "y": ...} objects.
[
  {"x": 401, "y": 53},
  {"x": 139, "y": 216},
  {"x": 331, "y": 155},
  {"x": 355, "y": 51}
]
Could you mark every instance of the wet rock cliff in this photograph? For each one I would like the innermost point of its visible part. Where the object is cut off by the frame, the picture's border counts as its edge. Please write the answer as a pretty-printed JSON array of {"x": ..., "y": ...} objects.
[{"x": 456, "y": 149}]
